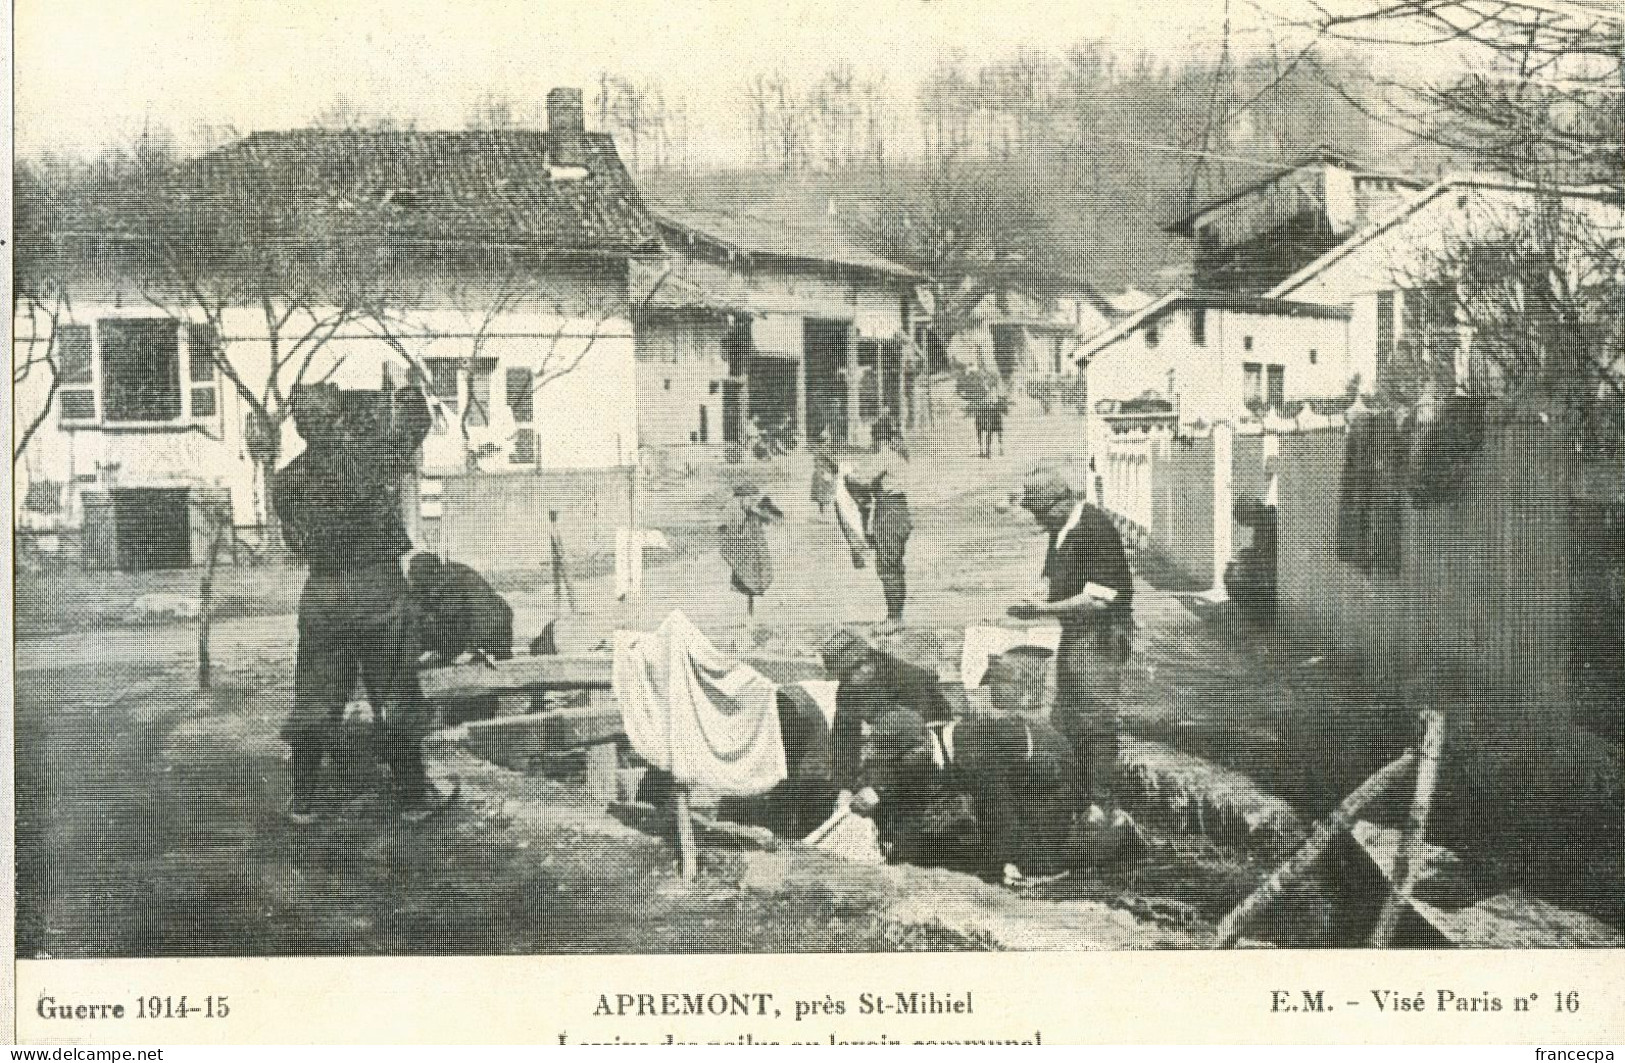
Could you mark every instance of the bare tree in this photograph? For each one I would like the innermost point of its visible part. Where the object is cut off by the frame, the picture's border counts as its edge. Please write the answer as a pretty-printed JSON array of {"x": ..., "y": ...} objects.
[
  {"x": 650, "y": 129},
  {"x": 1523, "y": 303},
  {"x": 780, "y": 120},
  {"x": 953, "y": 228},
  {"x": 1538, "y": 93},
  {"x": 41, "y": 296},
  {"x": 473, "y": 312},
  {"x": 215, "y": 248},
  {"x": 1534, "y": 89}
]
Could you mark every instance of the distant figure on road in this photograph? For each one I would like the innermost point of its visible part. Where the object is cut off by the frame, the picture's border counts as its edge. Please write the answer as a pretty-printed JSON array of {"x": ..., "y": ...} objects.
[
  {"x": 1091, "y": 592},
  {"x": 872, "y": 505},
  {"x": 743, "y": 545},
  {"x": 340, "y": 508},
  {"x": 825, "y": 469},
  {"x": 990, "y": 422}
]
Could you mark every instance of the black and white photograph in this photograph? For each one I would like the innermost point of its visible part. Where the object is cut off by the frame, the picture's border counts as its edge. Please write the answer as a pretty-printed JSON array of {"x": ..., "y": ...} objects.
[{"x": 535, "y": 479}]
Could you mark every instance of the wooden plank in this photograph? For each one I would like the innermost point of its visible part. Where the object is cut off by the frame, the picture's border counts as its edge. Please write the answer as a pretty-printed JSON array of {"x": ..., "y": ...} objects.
[
  {"x": 576, "y": 672},
  {"x": 1325, "y": 832},
  {"x": 584, "y": 671}
]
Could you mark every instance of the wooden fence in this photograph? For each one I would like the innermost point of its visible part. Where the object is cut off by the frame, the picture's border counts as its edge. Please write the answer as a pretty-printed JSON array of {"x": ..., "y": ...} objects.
[
  {"x": 500, "y": 520},
  {"x": 1482, "y": 585}
]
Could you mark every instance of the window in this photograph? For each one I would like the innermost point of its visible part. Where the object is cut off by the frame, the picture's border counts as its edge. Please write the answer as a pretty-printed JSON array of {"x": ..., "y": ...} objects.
[
  {"x": 443, "y": 382},
  {"x": 1246, "y": 343},
  {"x": 1151, "y": 337},
  {"x": 76, "y": 395},
  {"x": 1277, "y": 385},
  {"x": 1058, "y": 351},
  {"x": 141, "y": 370},
  {"x": 1314, "y": 356},
  {"x": 202, "y": 354},
  {"x": 712, "y": 388},
  {"x": 1199, "y": 326},
  {"x": 520, "y": 392},
  {"x": 1252, "y": 383}
]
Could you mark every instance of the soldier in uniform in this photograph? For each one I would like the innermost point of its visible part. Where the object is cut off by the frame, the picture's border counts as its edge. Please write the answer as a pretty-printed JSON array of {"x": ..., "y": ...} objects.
[
  {"x": 340, "y": 508},
  {"x": 456, "y": 612},
  {"x": 872, "y": 504},
  {"x": 1018, "y": 774},
  {"x": 870, "y": 684}
]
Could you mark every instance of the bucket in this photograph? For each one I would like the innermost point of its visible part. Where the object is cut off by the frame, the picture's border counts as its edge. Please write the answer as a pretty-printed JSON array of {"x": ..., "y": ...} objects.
[{"x": 1018, "y": 680}]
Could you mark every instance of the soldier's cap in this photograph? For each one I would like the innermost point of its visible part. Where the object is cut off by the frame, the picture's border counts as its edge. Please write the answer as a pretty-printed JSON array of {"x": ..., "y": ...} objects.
[
  {"x": 1043, "y": 489},
  {"x": 844, "y": 652},
  {"x": 898, "y": 730}
]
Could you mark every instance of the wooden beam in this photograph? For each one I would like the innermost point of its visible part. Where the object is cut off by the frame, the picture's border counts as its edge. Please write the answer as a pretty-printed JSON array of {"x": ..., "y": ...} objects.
[
  {"x": 576, "y": 672},
  {"x": 584, "y": 671},
  {"x": 1320, "y": 840}
]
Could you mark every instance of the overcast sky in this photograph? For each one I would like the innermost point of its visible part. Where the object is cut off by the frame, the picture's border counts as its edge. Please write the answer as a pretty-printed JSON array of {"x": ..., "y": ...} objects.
[{"x": 91, "y": 72}]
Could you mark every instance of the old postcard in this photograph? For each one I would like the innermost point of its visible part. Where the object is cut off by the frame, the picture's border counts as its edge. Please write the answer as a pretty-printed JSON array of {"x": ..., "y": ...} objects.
[{"x": 904, "y": 521}]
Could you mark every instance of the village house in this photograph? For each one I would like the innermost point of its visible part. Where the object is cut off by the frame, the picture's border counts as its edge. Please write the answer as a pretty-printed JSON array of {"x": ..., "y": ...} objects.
[
  {"x": 1215, "y": 356},
  {"x": 186, "y": 308},
  {"x": 794, "y": 328},
  {"x": 1394, "y": 273},
  {"x": 1027, "y": 324},
  {"x": 1221, "y": 349},
  {"x": 1261, "y": 233}
]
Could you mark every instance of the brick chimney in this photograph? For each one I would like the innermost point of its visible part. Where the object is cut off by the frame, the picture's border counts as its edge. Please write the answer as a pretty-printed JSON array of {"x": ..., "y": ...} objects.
[{"x": 565, "y": 111}]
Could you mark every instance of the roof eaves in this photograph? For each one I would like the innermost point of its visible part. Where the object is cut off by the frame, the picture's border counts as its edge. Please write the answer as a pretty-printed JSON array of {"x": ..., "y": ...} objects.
[
  {"x": 1182, "y": 226},
  {"x": 1125, "y": 326}
]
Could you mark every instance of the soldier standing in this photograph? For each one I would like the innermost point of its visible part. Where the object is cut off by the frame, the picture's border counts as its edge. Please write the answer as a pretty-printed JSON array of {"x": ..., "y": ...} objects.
[
  {"x": 872, "y": 505},
  {"x": 1091, "y": 591},
  {"x": 340, "y": 508}
]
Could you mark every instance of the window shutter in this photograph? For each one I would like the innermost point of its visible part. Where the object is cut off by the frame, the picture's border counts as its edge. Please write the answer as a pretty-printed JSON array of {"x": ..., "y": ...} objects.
[
  {"x": 524, "y": 447},
  {"x": 76, "y": 368},
  {"x": 202, "y": 351}
]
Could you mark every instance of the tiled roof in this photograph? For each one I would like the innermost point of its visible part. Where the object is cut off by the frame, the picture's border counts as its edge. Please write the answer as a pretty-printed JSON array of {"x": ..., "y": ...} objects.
[
  {"x": 1322, "y": 156},
  {"x": 562, "y": 191},
  {"x": 748, "y": 235},
  {"x": 655, "y": 288}
]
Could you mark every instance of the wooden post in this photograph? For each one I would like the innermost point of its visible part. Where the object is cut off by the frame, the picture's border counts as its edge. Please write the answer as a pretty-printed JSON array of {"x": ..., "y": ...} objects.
[
  {"x": 1410, "y": 844},
  {"x": 685, "y": 835},
  {"x": 603, "y": 771},
  {"x": 905, "y": 401},
  {"x": 1223, "y": 502},
  {"x": 1320, "y": 840},
  {"x": 853, "y": 379},
  {"x": 205, "y": 605}
]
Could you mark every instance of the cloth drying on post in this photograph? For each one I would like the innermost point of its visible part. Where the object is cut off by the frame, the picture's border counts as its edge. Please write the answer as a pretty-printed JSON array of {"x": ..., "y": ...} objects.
[
  {"x": 1370, "y": 509},
  {"x": 709, "y": 721},
  {"x": 743, "y": 546}
]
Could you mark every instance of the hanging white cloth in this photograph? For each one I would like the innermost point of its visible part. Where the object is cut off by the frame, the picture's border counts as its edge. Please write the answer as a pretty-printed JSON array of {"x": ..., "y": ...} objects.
[{"x": 710, "y": 721}]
